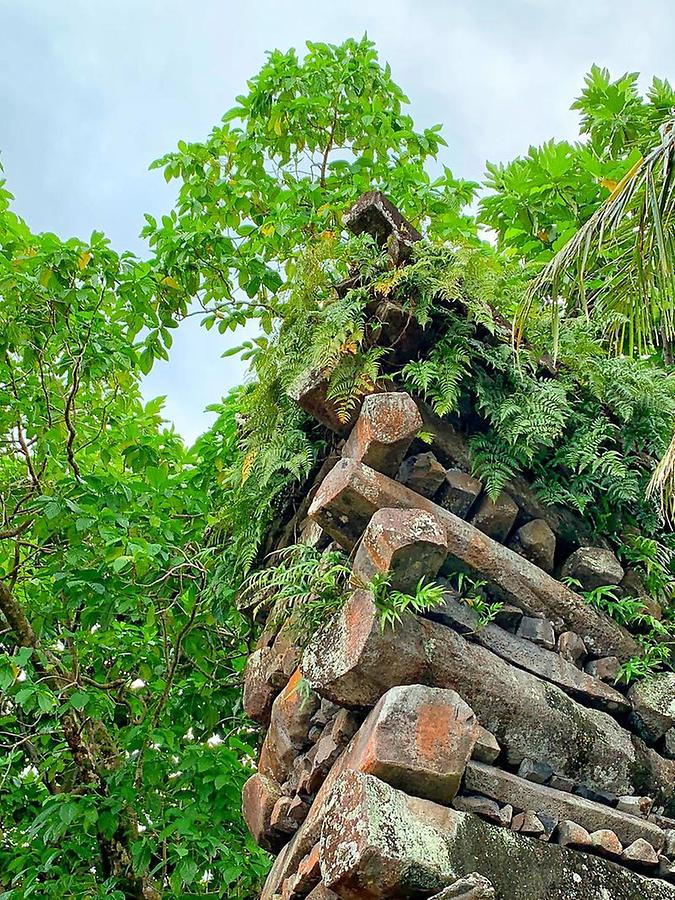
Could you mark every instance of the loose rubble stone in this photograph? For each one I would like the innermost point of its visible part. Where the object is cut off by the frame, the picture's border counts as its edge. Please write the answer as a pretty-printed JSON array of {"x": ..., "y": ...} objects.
[
  {"x": 569, "y": 834},
  {"x": 539, "y": 631},
  {"x": 508, "y": 617},
  {"x": 597, "y": 796},
  {"x": 458, "y": 492},
  {"x": 536, "y": 771},
  {"x": 504, "y": 787},
  {"x": 315, "y": 733},
  {"x": 669, "y": 743},
  {"x": 480, "y": 806},
  {"x": 352, "y": 492},
  {"x": 506, "y": 816},
  {"x": 527, "y": 823},
  {"x": 354, "y": 661},
  {"x": 495, "y": 517},
  {"x": 472, "y": 887},
  {"x": 376, "y": 215},
  {"x": 640, "y": 852},
  {"x": 422, "y": 473},
  {"x": 325, "y": 713},
  {"x": 486, "y": 748},
  {"x": 654, "y": 705},
  {"x": 636, "y": 806},
  {"x": 384, "y": 430},
  {"x": 259, "y": 798},
  {"x": 606, "y": 842},
  {"x": 559, "y": 783},
  {"x": 343, "y": 727},
  {"x": 571, "y": 647},
  {"x": 281, "y": 820},
  {"x": 526, "y": 654},
  {"x": 607, "y": 668},
  {"x": 536, "y": 542},
  {"x": 593, "y": 567},
  {"x": 409, "y": 544},
  {"x": 549, "y": 823}
]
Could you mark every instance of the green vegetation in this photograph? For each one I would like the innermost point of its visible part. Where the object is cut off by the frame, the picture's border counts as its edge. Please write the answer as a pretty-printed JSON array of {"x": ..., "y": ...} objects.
[{"x": 123, "y": 553}]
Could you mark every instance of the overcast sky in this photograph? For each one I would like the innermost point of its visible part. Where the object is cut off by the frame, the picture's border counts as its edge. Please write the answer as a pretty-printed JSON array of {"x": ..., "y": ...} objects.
[{"x": 91, "y": 91}]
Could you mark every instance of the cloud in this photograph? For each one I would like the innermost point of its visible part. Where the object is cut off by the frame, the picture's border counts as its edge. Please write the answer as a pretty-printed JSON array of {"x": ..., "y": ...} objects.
[{"x": 91, "y": 93}]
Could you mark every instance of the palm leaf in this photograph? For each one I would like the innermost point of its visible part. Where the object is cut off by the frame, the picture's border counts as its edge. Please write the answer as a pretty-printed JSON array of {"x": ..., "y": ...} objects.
[{"x": 619, "y": 264}]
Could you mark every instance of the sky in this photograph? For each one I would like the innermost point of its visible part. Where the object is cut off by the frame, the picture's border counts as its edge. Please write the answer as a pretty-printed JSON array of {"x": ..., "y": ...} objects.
[{"x": 91, "y": 91}]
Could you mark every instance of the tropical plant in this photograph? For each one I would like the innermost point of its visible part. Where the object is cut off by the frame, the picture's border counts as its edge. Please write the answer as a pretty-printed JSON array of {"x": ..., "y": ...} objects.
[{"x": 121, "y": 733}]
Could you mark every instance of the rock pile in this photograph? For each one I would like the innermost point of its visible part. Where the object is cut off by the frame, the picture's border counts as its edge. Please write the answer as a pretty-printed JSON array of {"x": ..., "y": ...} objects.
[{"x": 449, "y": 758}]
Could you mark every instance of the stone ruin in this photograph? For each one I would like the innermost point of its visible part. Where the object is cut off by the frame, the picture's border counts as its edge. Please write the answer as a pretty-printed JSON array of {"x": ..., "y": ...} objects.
[{"x": 440, "y": 758}]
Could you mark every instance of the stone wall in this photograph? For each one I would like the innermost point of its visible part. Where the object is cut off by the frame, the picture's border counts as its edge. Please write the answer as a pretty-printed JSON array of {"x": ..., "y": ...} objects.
[{"x": 445, "y": 758}]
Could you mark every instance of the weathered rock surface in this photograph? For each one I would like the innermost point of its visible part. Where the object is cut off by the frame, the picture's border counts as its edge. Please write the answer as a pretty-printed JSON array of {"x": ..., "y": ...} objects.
[
  {"x": 288, "y": 733},
  {"x": 495, "y": 517},
  {"x": 472, "y": 887},
  {"x": 376, "y": 215},
  {"x": 606, "y": 668},
  {"x": 422, "y": 473},
  {"x": 353, "y": 661},
  {"x": 259, "y": 691},
  {"x": 409, "y": 544},
  {"x": 384, "y": 430},
  {"x": 536, "y": 542},
  {"x": 416, "y": 736},
  {"x": 593, "y": 567},
  {"x": 604, "y": 841},
  {"x": 378, "y": 842},
  {"x": 310, "y": 392},
  {"x": 538, "y": 772},
  {"x": 527, "y": 655},
  {"x": 260, "y": 795},
  {"x": 570, "y": 834},
  {"x": 654, "y": 704},
  {"x": 505, "y": 787},
  {"x": 352, "y": 492},
  {"x": 571, "y": 647},
  {"x": 458, "y": 492},
  {"x": 539, "y": 631},
  {"x": 641, "y": 853}
]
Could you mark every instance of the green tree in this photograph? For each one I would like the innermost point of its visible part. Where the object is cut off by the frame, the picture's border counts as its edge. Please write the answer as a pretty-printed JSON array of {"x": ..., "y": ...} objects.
[
  {"x": 307, "y": 139},
  {"x": 122, "y": 651},
  {"x": 119, "y": 714}
]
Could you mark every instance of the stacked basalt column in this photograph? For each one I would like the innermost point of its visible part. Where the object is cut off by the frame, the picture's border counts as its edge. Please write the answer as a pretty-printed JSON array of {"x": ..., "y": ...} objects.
[{"x": 443, "y": 757}]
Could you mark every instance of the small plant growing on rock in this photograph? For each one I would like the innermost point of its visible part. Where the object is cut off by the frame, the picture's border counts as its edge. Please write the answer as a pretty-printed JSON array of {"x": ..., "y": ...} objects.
[
  {"x": 392, "y": 604},
  {"x": 304, "y": 584}
]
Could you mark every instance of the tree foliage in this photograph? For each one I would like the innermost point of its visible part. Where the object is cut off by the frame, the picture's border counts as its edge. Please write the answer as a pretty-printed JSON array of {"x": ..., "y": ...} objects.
[{"x": 122, "y": 550}]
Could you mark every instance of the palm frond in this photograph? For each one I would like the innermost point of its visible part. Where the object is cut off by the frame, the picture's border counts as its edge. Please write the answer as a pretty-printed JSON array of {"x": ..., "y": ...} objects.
[
  {"x": 619, "y": 264},
  {"x": 662, "y": 483}
]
